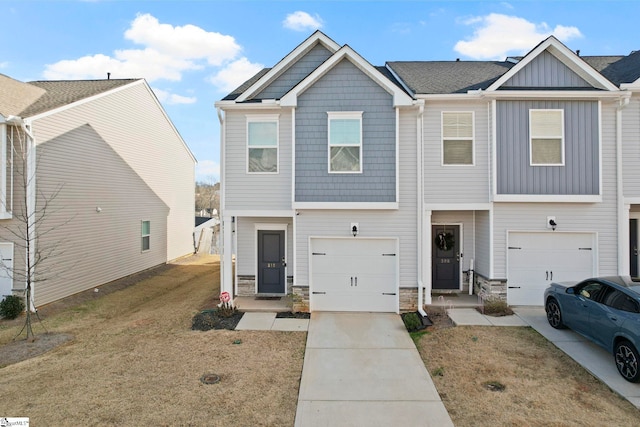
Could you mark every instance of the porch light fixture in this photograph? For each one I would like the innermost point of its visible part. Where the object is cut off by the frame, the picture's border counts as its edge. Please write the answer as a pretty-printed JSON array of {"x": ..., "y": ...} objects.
[
  {"x": 553, "y": 224},
  {"x": 354, "y": 229}
]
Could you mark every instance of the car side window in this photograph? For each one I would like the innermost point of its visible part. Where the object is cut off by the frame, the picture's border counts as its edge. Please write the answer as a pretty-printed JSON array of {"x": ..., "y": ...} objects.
[
  {"x": 591, "y": 290},
  {"x": 621, "y": 301}
]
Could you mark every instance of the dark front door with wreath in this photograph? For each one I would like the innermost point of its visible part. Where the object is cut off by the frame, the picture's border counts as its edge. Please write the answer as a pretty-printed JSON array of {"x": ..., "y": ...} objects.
[{"x": 445, "y": 270}]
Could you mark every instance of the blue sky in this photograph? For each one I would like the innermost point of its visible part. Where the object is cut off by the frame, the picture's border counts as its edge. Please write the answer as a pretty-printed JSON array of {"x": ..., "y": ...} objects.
[{"x": 192, "y": 53}]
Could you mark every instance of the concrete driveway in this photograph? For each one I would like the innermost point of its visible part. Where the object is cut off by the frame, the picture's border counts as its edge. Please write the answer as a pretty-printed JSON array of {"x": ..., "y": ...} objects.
[
  {"x": 363, "y": 369},
  {"x": 592, "y": 357}
]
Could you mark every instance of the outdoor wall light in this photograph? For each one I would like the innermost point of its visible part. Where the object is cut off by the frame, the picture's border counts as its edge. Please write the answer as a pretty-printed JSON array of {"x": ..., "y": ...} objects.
[
  {"x": 553, "y": 224},
  {"x": 354, "y": 229}
]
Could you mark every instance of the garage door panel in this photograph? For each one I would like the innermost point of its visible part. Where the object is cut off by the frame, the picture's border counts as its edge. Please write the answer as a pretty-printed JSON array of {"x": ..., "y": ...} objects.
[
  {"x": 535, "y": 260},
  {"x": 354, "y": 275}
]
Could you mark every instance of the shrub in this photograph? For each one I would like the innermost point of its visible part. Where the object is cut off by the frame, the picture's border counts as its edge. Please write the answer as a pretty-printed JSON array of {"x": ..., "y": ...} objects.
[
  {"x": 11, "y": 307},
  {"x": 412, "y": 322},
  {"x": 496, "y": 307}
]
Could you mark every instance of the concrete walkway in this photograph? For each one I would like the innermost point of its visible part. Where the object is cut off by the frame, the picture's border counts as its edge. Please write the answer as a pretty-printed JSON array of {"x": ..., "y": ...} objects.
[
  {"x": 593, "y": 358},
  {"x": 363, "y": 369}
]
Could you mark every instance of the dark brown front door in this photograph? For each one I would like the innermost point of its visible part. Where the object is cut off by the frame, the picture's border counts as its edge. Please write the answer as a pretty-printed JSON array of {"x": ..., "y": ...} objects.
[
  {"x": 445, "y": 270},
  {"x": 271, "y": 262}
]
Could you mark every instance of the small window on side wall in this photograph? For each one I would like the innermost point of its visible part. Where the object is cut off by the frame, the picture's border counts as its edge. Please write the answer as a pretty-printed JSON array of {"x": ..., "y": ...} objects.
[
  {"x": 546, "y": 130},
  {"x": 345, "y": 142},
  {"x": 262, "y": 145},
  {"x": 146, "y": 235},
  {"x": 457, "y": 138}
]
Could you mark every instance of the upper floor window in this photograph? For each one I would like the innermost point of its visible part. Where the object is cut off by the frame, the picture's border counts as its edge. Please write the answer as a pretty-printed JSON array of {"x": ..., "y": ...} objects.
[
  {"x": 345, "y": 142},
  {"x": 457, "y": 138},
  {"x": 262, "y": 144},
  {"x": 546, "y": 130}
]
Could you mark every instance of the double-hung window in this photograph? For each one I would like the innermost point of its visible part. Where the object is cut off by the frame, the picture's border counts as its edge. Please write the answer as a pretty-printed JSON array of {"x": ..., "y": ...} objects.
[
  {"x": 146, "y": 235},
  {"x": 262, "y": 144},
  {"x": 546, "y": 131},
  {"x": 345, "y": 142},
  {"x": 457, "y": 138}
]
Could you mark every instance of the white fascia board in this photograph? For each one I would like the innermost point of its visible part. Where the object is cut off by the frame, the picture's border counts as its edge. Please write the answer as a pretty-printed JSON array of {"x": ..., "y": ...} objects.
[
  {"x": 231, "y": 105},
  {"x": 633, "y": 86},
  {"x": 285, "y": 63},
  {"x": 347, "y": 205},
  {"x": 458, "y": 206},
  {"x": 553, "y": 94},
  {"x": 259, "y": 213},
  {"x": 567, "y": 57},
  {"x": 472, "y": 96},
  {"x": 400, "y": 98},
  {"x": 547, "y": 198}
]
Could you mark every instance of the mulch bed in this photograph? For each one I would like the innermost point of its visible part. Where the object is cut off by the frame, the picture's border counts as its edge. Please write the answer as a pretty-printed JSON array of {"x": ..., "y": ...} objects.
[
  {"x": 290, "y": 315},
  {"x": 210, "y": 319}
]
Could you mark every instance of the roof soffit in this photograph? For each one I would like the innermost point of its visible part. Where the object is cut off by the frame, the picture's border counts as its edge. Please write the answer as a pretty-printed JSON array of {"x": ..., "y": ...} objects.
[
  {"x": 400, "y": 98},
  {"x": 317, "y": 37},
  {"x": 564, "y": 55}
]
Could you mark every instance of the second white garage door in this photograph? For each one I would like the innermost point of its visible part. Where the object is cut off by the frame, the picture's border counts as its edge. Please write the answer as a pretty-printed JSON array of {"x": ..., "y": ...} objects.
[
  {"x": 354, "y": 274},
  {"x": 537, "y": 259}
]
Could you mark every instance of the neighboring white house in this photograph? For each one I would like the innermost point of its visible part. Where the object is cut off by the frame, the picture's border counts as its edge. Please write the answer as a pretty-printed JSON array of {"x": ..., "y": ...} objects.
[
  {"x": 357, "y": 187},
  {"x": 124, "y": 176}
]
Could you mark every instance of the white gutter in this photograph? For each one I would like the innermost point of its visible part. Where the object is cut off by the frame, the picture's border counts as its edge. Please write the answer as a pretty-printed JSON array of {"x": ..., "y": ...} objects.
[{"x": 420, "y": 200}]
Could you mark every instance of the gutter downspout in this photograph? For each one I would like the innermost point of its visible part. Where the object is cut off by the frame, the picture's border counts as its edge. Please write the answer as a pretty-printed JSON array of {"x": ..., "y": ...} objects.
[
  {"x": 623, "y": 213},
  {"x": 420, "y": 203},
  {"x": 225, "y": 247}
]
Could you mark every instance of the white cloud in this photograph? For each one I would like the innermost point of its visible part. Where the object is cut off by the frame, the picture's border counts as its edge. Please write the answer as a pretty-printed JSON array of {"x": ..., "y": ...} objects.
[
  {"x": 498, "y": 36},
  {"x": 207, "y": 170},
  {"x": 166, "y": 53},
  {"x": 172, "y": 99},
  {"x": 234, "y": 74},
  {"x": 4, "y": 64},
  {"x": 302, "y": 21}
]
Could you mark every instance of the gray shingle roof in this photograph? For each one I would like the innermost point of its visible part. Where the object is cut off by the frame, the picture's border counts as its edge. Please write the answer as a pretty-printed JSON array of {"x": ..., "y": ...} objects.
[
  {"x": 15, "y": 96},
  {"x": 63, "y": 92},
  {"x": 246, "y": 85},
  {"x": 617, "y": 69},
  {"x": 446, "y": 77}
]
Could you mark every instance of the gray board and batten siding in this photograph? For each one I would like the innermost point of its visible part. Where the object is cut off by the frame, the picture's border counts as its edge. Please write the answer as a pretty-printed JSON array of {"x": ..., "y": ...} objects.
[
  {"x": 345, "y": 88},
  {"x": 546, "y": 71},
  {"x": 580, "y": 173}
]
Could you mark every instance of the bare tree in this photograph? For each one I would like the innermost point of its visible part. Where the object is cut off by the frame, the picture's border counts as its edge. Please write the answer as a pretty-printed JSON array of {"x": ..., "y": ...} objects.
[
  {"x": 28, "y": 223},
  {"x": 207, "y": 195}
]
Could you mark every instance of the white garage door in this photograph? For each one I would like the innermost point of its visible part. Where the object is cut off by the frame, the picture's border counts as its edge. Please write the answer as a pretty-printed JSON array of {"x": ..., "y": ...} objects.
[
  {"x": 537, "y": 259},
  {"x": 354, "y": 274}
]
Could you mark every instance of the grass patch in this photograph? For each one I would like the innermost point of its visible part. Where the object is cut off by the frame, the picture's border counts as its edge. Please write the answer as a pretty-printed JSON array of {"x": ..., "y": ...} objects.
[{"x": 490, "y": 376}]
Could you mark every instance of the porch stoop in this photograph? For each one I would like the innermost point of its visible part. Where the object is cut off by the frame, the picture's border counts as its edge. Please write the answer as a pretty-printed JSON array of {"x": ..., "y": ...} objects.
[{"x": 255, "y": 304}]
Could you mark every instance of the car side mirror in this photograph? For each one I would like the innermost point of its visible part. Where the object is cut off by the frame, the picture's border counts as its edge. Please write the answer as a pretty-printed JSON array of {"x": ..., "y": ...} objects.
[{"x": 571, "y": 291}]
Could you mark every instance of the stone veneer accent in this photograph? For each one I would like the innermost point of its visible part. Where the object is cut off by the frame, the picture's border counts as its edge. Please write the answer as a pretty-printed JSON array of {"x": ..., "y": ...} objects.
[
  {"x": 300, "y": 297},
  {"x": 247, "y": 285},
  {"x": 486, "y": 288},
  {"x": 408, "y": 299}
]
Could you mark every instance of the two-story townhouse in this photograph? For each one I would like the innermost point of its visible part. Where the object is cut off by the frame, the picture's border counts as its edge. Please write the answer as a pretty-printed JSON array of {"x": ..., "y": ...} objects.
[
  {"x": 390, "y": 184},
  {"x": 104, "y": 177}
]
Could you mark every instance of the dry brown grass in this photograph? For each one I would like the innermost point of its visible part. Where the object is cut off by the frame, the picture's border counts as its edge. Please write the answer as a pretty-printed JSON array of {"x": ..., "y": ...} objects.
[
  {"x": 544, "y": 387},
  {"x": 135, "y": 361}
]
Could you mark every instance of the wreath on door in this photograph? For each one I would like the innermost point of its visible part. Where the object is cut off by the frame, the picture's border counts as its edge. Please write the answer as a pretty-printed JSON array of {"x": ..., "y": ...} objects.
[{"x": 444, "y": 241}]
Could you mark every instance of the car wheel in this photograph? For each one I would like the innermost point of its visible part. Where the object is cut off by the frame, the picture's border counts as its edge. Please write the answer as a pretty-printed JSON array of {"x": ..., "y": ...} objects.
[
  {"x": 554, "y": 316},
  {"x": 627, "y": 358}
]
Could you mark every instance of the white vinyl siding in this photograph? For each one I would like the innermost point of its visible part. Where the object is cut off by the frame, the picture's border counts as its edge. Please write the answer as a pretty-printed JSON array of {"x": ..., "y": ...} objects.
[
  {"x": 546, "y": 130},
  {"x": 457, "y": 138},
  {"x": 262, "y": 144},
  {"x": 345, "y": 142}
]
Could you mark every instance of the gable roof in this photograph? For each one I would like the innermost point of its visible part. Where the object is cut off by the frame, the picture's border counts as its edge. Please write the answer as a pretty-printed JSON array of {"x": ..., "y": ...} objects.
[
  {"x": 59, "y": 93},
  {"x": 15, "y": 95},
  {"x": 618, "y": 69},
  {"x": 400, "y": 97},
  {"x": 270, "y": 74},
  {"x": 564, "y": 55}
]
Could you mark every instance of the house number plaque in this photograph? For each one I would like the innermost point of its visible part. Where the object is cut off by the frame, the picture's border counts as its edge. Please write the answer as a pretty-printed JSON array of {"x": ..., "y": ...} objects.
[
  {"x": 445, "y": 261},
  {"x": 272, "y": 265}
]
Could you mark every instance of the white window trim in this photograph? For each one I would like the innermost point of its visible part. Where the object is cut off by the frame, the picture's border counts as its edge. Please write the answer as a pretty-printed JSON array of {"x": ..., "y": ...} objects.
[
  {"x": 352, "y": 115},
  {"x": 473, "y": 139},
  {"x": 562, "y": 139},
  {"x": 263, "y": 118},
  {"x": 142, "y": 236}
]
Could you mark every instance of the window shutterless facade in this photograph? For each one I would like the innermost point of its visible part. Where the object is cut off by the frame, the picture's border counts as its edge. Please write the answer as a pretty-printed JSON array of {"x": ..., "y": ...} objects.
[
  {"x": 546, "y": 137},
  {"x": 146, "y": 235},
  {"x": 457, "y": 138},
  {"x": 262, "y": 144},
  {"x": 345, "y": 142}
]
